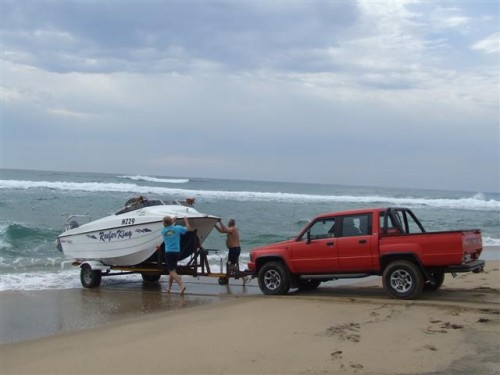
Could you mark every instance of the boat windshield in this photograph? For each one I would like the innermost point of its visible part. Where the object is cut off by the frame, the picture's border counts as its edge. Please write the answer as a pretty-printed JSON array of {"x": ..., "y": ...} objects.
[
  {"x": 141, "y": 202},
  {"x": 135, "y": 205}
]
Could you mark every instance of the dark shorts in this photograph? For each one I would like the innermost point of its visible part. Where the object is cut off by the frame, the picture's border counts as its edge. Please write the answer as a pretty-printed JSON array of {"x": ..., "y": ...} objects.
[
  {"x": 234, "y": 254},
  {"x": 171, "y": 260}
]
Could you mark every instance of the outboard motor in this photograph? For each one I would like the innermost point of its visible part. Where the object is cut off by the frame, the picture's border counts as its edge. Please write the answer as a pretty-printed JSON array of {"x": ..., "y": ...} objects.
[{"x": 59, "y": 246}]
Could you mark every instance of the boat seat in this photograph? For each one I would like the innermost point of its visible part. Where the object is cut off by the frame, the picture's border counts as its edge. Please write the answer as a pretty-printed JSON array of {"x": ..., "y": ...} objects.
[{"x": 189, "y": 244}]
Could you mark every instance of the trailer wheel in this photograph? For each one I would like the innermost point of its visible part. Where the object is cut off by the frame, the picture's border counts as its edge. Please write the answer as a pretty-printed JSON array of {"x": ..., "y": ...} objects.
[
  {"x": 438, "y": 281},
  {"x": 150, "y": 277},
  {"x": 274, "y": 279},
  {"x": 308, "y": 284},
  {"x": 90, "y": 278},
  {"x": 403, "y": 279},
  {"x": 223, "y": 280}
]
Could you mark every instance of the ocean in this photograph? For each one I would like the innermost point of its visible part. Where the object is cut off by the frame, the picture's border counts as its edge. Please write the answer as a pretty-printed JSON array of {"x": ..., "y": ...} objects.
[{"x": 33, "y": 205}]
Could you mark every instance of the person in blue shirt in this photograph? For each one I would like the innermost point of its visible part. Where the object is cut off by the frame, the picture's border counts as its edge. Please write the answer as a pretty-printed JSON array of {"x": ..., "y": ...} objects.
[{"x": 172, "y": 237}]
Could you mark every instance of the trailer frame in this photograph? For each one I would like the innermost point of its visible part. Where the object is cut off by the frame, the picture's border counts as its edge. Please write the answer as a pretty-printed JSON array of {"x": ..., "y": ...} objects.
[{"x": 92, "y": 271}]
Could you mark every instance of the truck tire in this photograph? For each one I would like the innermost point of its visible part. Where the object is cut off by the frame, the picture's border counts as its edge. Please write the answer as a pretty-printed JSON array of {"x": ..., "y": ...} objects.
[
  {"x": 90, "y": 278},
  {"x": 274, "y": 279},
  {"x": 438, "y": 281},
  {"x": 403, "y": 279}
]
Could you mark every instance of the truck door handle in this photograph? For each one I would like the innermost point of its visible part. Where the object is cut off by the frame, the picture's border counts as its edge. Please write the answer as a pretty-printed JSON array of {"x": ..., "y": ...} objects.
[
  {"x": 362, "y": 241},
  {"x": 330, "y": 244}
]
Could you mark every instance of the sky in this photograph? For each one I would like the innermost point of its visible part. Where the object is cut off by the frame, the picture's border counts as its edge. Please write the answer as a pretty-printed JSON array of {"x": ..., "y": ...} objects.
[{"x": 373, "y": 93}]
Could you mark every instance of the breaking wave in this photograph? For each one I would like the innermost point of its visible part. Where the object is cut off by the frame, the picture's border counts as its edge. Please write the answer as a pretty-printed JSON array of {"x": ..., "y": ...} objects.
[
  {"x": 155, "y": 179},
  {"x": 474, "y": 202}
]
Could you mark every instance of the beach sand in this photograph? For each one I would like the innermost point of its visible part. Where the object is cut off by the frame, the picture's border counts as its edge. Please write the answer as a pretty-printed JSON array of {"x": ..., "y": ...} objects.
[{"x": 347, "y": 329}]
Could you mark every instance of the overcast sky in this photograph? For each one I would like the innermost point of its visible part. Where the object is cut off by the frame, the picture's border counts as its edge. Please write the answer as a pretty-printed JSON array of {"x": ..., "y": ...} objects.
[{"x": 377, "y": 93}]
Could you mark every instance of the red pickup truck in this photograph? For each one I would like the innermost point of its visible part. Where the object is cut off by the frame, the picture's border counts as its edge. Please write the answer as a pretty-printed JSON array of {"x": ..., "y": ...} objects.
[{"x": 388, "y": 242}]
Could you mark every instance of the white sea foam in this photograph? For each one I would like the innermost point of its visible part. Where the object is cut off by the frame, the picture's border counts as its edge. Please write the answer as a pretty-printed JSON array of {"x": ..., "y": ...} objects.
[
  {"x": 475, "y": 202},
  {"x": 69, "y": 277},
  {"x": 64, "y": 279},
  {"x": 40, "y": 280},
  {"x": 155, "y": 179},
  {"x": 4, "y": 244},
  {"x": 489, "y": 241}
]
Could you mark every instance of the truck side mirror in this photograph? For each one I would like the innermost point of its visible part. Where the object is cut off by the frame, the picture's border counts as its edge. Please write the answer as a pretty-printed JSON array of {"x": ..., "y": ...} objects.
[{"x": 308, "y": 241}]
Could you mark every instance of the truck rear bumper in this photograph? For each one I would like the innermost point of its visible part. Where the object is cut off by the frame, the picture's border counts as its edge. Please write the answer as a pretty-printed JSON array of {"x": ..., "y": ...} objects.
[{"x": 475, "y": 266}]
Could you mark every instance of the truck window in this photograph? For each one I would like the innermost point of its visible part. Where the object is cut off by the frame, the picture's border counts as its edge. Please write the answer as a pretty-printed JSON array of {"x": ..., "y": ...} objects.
[
  {"x": 356, "y": 225},
  {"x": 408, "y": 222},
  {"x": 400, "y": 222},
  {"x": 392, "y": 227},
  {"x": 324, "y": 228}
]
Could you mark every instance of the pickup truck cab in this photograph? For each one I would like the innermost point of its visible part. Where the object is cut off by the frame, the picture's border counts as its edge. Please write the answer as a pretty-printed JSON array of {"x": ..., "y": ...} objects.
[{"x": 388, "y": 242}]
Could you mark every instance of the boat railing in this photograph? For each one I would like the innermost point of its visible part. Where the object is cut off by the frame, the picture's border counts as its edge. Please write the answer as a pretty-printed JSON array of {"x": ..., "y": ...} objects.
[
  {"x": 183, "y": 203},
  {"x": 139, "y": 202},
  {"x": 71, "y": 220}
]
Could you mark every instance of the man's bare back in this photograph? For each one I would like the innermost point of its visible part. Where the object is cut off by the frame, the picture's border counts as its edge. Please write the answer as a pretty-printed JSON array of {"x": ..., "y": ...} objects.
[{"x": 233, "y": 235}]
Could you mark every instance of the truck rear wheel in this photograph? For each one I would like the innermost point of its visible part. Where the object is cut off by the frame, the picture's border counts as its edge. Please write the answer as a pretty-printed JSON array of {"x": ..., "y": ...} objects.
[
  {"x": 274, "y": 279},
  {"x": 90, "y": 278},
  {"x": 403, "y": 279}
]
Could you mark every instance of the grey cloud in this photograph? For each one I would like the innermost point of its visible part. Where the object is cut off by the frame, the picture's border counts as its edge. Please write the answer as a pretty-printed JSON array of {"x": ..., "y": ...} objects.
[
  {"x": 307, "y": 91},
  {"x": 113, "y": 36}
]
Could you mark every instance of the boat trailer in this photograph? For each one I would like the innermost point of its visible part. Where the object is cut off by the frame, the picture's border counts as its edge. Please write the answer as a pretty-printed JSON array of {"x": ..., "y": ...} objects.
[{"x": 92, "y": 271}]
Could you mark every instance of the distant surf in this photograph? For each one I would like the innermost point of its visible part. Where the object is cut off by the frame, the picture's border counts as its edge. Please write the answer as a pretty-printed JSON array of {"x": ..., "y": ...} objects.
[
  {"x": 473, "y": 202},
  {"x": 156, "y": 179}
]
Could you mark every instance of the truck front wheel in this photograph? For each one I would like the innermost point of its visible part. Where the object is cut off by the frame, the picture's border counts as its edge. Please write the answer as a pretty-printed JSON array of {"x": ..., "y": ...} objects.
[
  {"x": 403, "y": 279},
  {"x": 273, "y": 279}
]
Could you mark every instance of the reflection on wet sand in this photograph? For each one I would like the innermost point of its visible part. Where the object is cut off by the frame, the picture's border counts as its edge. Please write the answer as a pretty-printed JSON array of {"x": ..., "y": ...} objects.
[{"x": 32, "y": 314}]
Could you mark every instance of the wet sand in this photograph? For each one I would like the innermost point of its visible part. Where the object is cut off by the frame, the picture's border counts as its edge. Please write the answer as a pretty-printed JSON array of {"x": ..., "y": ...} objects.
[
  {"x": 129, "y": 328},
  {"x": 33, "y": 314}
]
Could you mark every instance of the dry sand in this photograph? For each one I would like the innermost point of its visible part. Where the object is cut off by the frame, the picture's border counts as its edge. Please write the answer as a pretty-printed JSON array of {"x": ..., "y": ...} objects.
[{"x": 356, "y": 329}]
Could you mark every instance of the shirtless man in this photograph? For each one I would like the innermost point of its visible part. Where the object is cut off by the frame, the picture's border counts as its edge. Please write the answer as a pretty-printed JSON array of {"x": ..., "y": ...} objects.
[{"x": 232, "y": 241}]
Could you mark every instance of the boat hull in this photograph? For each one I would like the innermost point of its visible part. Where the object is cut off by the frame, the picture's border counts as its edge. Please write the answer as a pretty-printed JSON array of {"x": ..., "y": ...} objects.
[{"x": 127, "y": 239}]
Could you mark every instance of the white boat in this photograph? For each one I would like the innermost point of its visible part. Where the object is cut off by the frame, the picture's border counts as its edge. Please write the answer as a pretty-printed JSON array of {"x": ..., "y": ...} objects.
[{"x": 130, "y": 236}]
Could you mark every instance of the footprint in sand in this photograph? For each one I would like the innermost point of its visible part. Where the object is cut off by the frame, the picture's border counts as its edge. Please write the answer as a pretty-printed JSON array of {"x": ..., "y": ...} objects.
[
  {"x": 431, "y": 347},
  {"x": 484, "y": 320},
  {"x": 431, "y": 330},
  {"x": 336, "y": 355},
  {"x": 344, "y": 332},
  {"x": 435, "y": 321},
  {"x": 357, "y": 366},
  {"x": 443, "y": 328},
  {"x": 448, "y": 325}
]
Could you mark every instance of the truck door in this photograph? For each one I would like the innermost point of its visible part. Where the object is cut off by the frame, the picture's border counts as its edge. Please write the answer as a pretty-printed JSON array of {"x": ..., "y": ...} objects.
[
  {"x": 355, "y": 243},
  {"x": 315, "y": 251}
]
